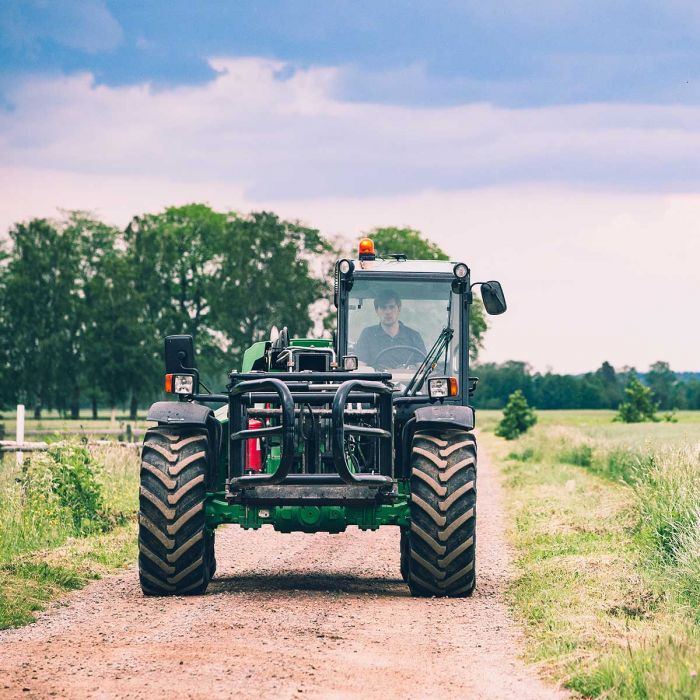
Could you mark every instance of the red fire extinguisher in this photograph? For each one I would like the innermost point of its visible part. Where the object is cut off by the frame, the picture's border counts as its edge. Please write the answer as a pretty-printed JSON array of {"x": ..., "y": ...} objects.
[{"x": 253, "y": 450}]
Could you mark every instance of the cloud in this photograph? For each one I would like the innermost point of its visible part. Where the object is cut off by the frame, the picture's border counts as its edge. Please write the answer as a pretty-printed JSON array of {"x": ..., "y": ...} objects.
[
  {"x": 579, "y": 210},
  {"x": 276, "y": 134}
]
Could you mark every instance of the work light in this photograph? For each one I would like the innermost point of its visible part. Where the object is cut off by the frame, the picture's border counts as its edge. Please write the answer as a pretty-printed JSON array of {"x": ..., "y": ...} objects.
[
  {"x": 460, "y": 270},
  {"x": 179, "y": 383},
  {"x": 349, "y": 363},
  {"x": 442, "y": 387}
]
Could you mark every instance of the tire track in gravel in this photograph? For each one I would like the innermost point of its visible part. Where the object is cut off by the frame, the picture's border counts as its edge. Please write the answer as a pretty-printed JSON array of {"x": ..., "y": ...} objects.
[{"x": 321, "y": 616}]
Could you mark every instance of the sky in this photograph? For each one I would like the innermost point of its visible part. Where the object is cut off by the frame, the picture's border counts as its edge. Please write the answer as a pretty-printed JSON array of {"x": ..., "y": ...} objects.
[{"x": 554, "y": 146}]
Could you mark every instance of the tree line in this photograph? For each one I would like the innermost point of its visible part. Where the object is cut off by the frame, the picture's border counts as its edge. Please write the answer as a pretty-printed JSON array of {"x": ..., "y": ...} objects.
[
  {"x": 604, "y": 388},
  {"x": 84, "y": 306}
]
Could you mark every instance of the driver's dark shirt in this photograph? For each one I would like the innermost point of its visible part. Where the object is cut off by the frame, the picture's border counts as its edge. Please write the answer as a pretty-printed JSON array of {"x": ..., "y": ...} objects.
[{"x": 374, "y": 339}]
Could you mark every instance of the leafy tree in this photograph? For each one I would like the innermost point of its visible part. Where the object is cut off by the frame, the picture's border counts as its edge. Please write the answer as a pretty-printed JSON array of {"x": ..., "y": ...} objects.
[
  {"x": 664, "y": 384},
  {"x": 171, "y": 258},
  {"x": 498, "y": 381},
  {"x": 691, "y": 390},
  {"x": 518, "y": 417},
  {"x": 265, "y": 276},
  {"x": 113, "y": 357},
  {"x": 415, "y": 246},
  {"x": 40, "y": 307},
  {"x": 639, "y": 406},
  {"x": 611, "y": 389},
  {"x": 408, "y": 241}
]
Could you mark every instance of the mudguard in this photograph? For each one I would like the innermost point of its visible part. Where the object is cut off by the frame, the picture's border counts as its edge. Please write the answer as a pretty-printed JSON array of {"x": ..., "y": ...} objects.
[
  {"x": 444, "y": 416},
  {"x": 184, "y": 413},
  {"x": 180, "y": 413}
]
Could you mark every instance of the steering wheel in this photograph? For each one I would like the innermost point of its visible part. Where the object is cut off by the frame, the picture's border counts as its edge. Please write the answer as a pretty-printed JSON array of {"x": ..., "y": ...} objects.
[{"x": 416, "y": 351}]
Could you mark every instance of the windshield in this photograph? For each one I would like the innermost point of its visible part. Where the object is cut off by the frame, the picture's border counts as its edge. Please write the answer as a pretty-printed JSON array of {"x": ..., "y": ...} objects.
[{"x": 393, "y": 324}]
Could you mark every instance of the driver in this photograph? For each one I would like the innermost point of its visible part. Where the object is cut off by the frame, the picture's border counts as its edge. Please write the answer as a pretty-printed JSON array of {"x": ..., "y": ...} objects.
[{"x": 389, "y": 333}]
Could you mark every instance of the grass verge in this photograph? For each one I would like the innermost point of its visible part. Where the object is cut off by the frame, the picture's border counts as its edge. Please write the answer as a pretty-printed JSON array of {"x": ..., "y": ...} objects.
[
  {"x": 66, "y": 517},
  {"x": 607, "y": 533}
]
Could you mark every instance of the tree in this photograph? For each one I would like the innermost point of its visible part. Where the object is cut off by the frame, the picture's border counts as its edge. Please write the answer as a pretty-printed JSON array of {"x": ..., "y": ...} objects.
[
  {"x": 415, "y": 246},
  {"x": 639, "y": 406},
  {"x": 518, "y": 417},
  {"x": 498, "y": 381},
  {"x": 115, "y": 357},
  {"x": 171, "y": 258},
  {"x": 664, "y": 383},
  {"x": 40, "y": 307},
  {"x": 265, "y": 276},
  {"x": 611, "y": 390},
  {"x": 408, "y": 241}
]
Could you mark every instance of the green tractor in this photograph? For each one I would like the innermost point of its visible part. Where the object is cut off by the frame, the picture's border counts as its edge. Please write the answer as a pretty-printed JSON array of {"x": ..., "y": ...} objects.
[{"x": 370, "y": 429}]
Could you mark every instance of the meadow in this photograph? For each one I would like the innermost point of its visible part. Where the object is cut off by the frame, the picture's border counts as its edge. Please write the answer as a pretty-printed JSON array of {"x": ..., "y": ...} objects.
[{"x": 605, "y": 521}]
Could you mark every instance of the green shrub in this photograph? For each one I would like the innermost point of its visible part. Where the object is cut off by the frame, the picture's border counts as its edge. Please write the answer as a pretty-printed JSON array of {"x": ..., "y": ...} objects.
[
  {"x": 639, "y": 406},
  {"x": 518, "y": 417},
  {"x": 63, "y": 484}
]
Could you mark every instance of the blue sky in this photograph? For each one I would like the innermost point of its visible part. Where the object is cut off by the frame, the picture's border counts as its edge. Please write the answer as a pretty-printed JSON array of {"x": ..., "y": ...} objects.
[
  {"x": 509, "y": 53},
  {"x": 553, "y": 145}
]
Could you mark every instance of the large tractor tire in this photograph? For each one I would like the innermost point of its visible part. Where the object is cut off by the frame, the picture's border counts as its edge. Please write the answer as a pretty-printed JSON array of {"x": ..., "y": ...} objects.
[
  {"x": 442, "y": 537},
  {"x": 176, "y": 551}
]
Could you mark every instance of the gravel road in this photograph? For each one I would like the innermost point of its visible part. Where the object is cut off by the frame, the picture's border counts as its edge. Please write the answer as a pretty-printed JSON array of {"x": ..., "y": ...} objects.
[{"x": 287, "y": 616}]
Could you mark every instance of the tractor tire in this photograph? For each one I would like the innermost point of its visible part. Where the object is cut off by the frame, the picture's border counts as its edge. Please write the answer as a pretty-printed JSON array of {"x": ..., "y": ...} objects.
[
  {"x": 405, "y": 554},
  {"x": 176, "y": 551},
  {"x": 442, "y": 537}
]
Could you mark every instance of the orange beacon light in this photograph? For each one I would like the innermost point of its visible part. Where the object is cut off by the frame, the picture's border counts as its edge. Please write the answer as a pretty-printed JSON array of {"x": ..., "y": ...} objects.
[{"x": 366, "y": 249}]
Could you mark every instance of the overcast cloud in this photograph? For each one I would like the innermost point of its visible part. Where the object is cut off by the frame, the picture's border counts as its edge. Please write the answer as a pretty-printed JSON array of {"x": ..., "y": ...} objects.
[{"x": 279, "y": 135}]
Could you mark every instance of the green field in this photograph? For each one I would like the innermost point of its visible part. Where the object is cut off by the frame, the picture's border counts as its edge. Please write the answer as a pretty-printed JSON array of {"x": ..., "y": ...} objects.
[
  {"x": 54, "y": 422},
  {"x": 606, "y": 525}
]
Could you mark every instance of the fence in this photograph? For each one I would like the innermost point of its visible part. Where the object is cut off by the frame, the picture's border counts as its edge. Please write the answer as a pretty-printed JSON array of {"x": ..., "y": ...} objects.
[{"x": 19, "y": 445}]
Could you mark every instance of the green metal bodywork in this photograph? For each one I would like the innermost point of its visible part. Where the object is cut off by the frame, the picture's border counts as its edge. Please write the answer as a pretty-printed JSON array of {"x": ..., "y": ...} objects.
[
  {"x": 309, "y": 519},
  {"x": 257, "y": 350}
]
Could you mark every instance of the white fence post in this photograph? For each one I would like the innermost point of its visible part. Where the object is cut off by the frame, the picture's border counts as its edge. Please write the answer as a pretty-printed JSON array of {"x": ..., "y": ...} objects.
[{"x": 20, "y": 432}]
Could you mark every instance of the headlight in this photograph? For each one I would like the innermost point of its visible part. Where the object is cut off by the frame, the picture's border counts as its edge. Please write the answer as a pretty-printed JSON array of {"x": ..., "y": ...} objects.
[
  {"x": 346, "y": 267},
  {"x": 179, "y": 383},
  {"x": 442, "y": 387},
  {"x": 349, "y": 363}
]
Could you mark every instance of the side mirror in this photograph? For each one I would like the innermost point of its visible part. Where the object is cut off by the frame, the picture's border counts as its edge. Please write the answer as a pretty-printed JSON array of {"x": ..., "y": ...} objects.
[
  {"x": 179, "y": 354},
  {"x": 494, "y": 299}
]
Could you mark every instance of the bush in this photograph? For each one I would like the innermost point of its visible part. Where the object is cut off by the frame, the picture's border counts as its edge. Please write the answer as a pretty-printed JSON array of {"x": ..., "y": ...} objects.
[
  {"x": 64, "y": 483},
  {"x": 518, "y": 417},
  {"x": 640, "y": 405}
]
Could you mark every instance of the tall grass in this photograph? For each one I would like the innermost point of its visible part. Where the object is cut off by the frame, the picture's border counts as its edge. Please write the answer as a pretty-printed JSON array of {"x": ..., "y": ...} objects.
[
  {"x": 57, "y": 515},
  {"x": 655, "y": 470}
]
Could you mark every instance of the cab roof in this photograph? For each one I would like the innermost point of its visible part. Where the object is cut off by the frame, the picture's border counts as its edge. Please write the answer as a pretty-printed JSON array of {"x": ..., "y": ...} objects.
[{"x": 391, "y": 265}]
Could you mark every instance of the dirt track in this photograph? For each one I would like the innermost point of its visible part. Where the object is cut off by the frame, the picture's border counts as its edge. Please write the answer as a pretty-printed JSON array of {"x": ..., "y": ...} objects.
[{"x": 324, "y": 616}]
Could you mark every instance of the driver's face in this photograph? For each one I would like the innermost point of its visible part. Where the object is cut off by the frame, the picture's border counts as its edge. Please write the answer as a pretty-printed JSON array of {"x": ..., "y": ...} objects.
[{"x": 389, "y": 313}]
